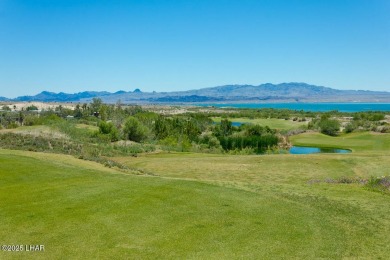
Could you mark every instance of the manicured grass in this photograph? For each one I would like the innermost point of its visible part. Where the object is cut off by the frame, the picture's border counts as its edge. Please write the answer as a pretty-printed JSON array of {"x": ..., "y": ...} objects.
[
  {"x": 273, "y": 123},
  {"x": 199, "y": 205},
  {"x": 358, "y": 142},
  {"x": 78, "y": 211},
  {"x": 361, "y": 214}
]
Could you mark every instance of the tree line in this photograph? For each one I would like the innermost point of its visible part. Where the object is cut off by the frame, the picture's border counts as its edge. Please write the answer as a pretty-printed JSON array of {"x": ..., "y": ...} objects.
[{"x": 191, "y": 131}]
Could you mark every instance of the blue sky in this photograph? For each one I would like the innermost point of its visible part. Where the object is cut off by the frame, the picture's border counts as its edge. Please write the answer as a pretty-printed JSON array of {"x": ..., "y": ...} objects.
[{"x": 76, "y": 45}]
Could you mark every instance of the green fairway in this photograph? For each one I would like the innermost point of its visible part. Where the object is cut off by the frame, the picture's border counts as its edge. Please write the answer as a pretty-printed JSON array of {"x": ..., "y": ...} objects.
[
  {"x": 273, "y": 123},
  {"x": 201, "y": 206},
  {"x": 358, "y": 142}
]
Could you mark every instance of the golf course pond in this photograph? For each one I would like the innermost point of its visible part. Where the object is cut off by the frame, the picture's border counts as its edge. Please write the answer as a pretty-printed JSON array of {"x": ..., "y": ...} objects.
[{"x": 310, "y": 150}]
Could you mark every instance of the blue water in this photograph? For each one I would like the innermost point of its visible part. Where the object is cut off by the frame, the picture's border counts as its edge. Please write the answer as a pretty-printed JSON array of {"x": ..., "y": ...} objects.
[
  {"x": 316, "y": 107},
  {"x": 309, "y": 150},
  {"x": 233, "y": 123}
]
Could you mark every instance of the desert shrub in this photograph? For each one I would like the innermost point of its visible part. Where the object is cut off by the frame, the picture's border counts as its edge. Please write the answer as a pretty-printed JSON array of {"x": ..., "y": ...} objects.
[
  {"x": 102, "y": 138},
  {"x": 104, "y": 127},
  {"x": 385, "y": 129},
  {"x": 89, "y": 120},
  {"x": 298, "y": 131},
  {"x": 114, "y": 134},
  {"x": 329, "y": 126},
  {"x": 176, "y": 143},
  {"x": 169, "y": 143},
  {"x": 346, "y": 180},
  {"x": 32, "y": 108},
  {"x": 244, "y": 151},
  {"x": 30, "y": 120},
  {"x": 50, "y": 118},
  {"x": 162, "y": 127},
  {"x": 209, "y": 141},
  {"x": 134, "y": 148},
  {"x": 12, "y": 125},
  {"x": 184, "y": 144},
  {"x": 381, "y": 183},
  {"x": 369, "y": 116},
  {"x": 350, "y": 127},
  {"x": 134, "y": 130},
  {"x": 38, "y": 143},
  {"x": 108, "y": 129}
]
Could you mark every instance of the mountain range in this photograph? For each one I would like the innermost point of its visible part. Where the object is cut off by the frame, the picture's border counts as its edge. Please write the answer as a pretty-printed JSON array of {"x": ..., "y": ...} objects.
[{"x": 284, "y": 92}]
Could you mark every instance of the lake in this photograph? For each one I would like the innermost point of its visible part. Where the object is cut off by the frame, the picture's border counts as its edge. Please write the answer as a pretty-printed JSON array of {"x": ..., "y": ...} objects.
[
  {"x": 320, "y": 107},
  {"x": 310, "y": 150}
]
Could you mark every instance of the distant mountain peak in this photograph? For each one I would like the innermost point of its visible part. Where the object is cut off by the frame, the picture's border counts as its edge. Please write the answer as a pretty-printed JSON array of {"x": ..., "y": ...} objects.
[
  {"x": 47, "y": 93},
  {"x": 268, "y": 92}
]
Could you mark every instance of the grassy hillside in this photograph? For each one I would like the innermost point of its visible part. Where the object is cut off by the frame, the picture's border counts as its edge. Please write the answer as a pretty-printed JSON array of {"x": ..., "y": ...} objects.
[
  {"x": 357, "y": 216},
  {"x": 77, "y": 209},
  {"x": 200, "y": 206}
]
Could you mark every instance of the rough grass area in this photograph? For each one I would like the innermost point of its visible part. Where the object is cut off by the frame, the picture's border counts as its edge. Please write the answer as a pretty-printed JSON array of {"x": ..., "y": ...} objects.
[
  {"x": 74, "y": 211},
  {"x": 81, "y": 209},
  {"x": 273, "y": 123},
  {"x": 202, "y": 206},
  {"x": 370, "y": 157},
  {"x": 81, "y": 145}
]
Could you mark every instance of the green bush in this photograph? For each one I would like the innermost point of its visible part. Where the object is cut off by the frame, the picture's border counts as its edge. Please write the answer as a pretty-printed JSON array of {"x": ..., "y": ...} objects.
[
  {"x": 329, "y": 126},
  {"x": 51, "y": 118},
  {"x": 169, "y": 143},
  {"x": 369, "y": 116},
  {"x": 12, "y": 125},
  {"x": 176, "y": 143},
  {"x": 108, "y": 128},
  {"x": 32, "y": 108},
  {"x": 349, "y": 128},
  {"x": 134, "y": 130},
  {"x": 258, "y": 143},
  {"x": 209, "y": 141},
  {"x": 30, "y": 120}
]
